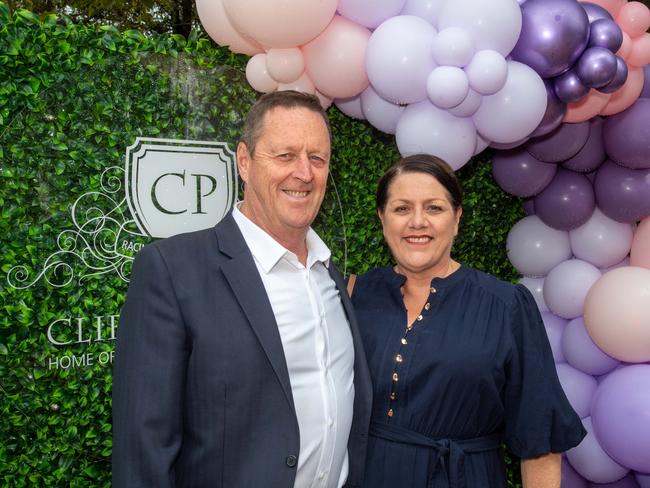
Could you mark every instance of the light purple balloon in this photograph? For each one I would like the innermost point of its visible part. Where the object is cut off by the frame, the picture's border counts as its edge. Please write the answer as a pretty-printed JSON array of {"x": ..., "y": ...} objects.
[
  {"x": 369, "y": 13},
  {"x": 623, "y": 194},
  {"x": 591, "y": 461},
  {"x": 581, "y": 352},
  {"x": 626, "y": 136},
  {"x": 578, "y": 387},
  {"x": 467, "y": 107},
  {"x": 569, "y": 87},
  {"x": 621, "y": 416},
  {"x": 561, "y": 144},
  {"x": 426, "y": 9},
  {"x": 624, "y": 262},
  {"x": 554, "y": 326},
  {"x": 553, "y": 35},
  {"x": 534, "y": 248},
  {"x": 566, "y": 287},
  {"x": 620, "y": 77},
  {"x": 595, "y": 12},
  {"x": 592, "y": 153},
  {"x": 567, "y": 202},
  {"x": 571, "y": 479},
  {"x": 350, "y": 107},
  {"x": 381, "y": 113},
  {"x": 645, "y": 91},
  {"x": 605, "y": 33},
  {"x": 601, "y": 241},
  {"x": 520, "y": 174},
  {"x": 596, "y": 67},
  {"x": 536, "y": 288},
  {"x": 627, "y": 482}
]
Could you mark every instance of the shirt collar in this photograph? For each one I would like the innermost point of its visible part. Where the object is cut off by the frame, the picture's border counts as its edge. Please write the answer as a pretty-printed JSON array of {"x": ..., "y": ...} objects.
[{"x": 267, "y": 251}]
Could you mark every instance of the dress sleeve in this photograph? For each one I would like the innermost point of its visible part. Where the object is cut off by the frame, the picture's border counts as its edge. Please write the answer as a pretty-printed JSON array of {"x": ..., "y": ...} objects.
[{"x": 539, "y": 418}]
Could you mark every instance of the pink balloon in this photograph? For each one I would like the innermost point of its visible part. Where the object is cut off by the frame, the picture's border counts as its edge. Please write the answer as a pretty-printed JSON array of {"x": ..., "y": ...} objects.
[
  {"x": 626, "y": 47},
  {"x": 258, "y": 76},
  {"x": 335, "y": 59},
  {"x": 633, "y": 18},
  {"x": 640, "y": 254},
  {"x": 587, "y": 107},
  {"x": 627, "y": 94},
  {"x": 640, "y": 52},
  {"x": 617, "y": 313},
  {"x": 612, "y": 6},
  {"x": 324, "y": 101},
  {"x": 566, "y": 287},
  {"x": 302, "y": 84},
  {"x": 285, "y": 65},
  {"x": 280, "y": 23},
  {"x": 217, "y": 24}
]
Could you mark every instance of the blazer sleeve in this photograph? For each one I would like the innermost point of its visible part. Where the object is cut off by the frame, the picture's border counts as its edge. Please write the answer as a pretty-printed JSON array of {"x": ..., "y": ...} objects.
[{"x": 148, "y": 381}]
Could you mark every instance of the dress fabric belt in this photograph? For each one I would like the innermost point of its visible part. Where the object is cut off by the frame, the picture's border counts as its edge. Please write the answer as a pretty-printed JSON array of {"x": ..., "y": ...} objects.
[{"x": 452, "y": 450}]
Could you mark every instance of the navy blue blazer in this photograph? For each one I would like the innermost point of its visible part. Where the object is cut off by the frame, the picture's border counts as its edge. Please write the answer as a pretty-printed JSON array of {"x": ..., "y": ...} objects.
[{"x": 201, "y": 392}]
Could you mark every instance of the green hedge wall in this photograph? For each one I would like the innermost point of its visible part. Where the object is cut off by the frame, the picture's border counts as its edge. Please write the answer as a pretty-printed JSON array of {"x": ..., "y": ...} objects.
[{"x": 72, "y": 98}]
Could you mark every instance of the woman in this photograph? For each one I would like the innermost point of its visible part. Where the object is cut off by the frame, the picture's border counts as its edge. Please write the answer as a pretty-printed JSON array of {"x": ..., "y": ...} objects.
[{"x": 460, "y": 361}]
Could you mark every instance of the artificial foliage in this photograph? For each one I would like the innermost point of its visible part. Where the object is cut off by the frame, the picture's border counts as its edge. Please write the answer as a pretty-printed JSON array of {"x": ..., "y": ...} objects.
[{"x": 72, "y": 99}]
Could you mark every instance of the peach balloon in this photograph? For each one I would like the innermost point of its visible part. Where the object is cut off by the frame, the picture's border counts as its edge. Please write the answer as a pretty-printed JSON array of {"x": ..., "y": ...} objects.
[
  {"x": 216, "y": 23},
  {"x": 257, "y": 75},
  {"x": 626, "y": 47},
  {"x": 640, "y": 254},
  {"x": 627, "y": 94},
  {"x": 302, "y": 84},
  {"x": 285, "y": 65},
  {"x": 640, "y": 53},
  {"x": 587, "y": 107},
  {"x": 612, "y": 6},
  {"x": 324, "y": 101},
  {"x": 633, "y": 18},
  {"x": 617, "y": 314}
]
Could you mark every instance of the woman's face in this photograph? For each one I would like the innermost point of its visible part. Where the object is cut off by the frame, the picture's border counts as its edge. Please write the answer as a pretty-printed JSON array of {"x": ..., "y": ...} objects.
[{"x": 419, "y": 223}]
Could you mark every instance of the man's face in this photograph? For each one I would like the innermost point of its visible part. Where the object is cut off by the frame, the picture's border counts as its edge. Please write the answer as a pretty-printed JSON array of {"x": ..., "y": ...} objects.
[{"x": 286, "y": 177}]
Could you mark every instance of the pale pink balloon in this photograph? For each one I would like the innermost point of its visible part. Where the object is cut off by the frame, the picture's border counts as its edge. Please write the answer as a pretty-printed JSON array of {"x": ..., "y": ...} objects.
[
  {"x": 640, "y": 53},
  {"x": 587, "y": 108},
  {"x": 351, "y": 107},
  {"x": 217, "y": 24},
  {"x": 324, "y": 101},
  {"x": 280, "y": 23},
  {"x": 335, "y": 60},
  {"x": 285, "y": 65},
  {"x": 617, "y": 314},
  {"x": 258, "y": 76},
  {"x": 640, "y": 254},
  {"x": 627, "y": 94},
  {"x": 302, "y": 84},
  {"x": 626, "y": 47},
  {"x": 612, "y": 6},
  {"x": 633, "y": 18}
]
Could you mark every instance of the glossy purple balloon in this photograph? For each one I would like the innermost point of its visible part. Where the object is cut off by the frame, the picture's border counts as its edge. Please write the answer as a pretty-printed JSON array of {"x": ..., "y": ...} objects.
[
  {"x": 627, "y": 482},
  {"x": 555, "y": 111},
  {"x": 619, "y": 78},
  {"x": 581, "y": 352},
  {"x": 568, "y": 87},
  {"x": 596, "y": 67},
  {"x": 645, "y": 91},
  {"x": 623, "y": 194},
  {"x": 554, "y": 326},
  {"x": 553, "y": 35},
  {"x": 605, "y": 33},
  {"x": 520, "y": 174},
  {"x": 626, "y": 135},
  {"x": 567, "y": 202},
  {"x": 595, "y": 12},
  {"x": 592, "y": 153},
  {"x": 561, "y": 144}
]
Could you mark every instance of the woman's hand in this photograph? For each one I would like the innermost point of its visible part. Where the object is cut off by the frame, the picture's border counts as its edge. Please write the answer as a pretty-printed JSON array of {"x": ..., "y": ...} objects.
[{"x": 541, "y": 472}]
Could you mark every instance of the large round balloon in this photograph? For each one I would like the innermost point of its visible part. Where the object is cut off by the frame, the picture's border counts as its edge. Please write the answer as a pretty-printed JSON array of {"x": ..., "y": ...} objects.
[
  {"x": 258, "y": 75},
  {"x": 587, "y": 107},
  {"x": 555, "y": 112},
  {"x": 554, "y": 326},
  {"x": 567, "y": 202},
  {"x": 370, "y": 13},
  {"x": 487, "y": 72},
  {"x": 605, "y": 33},
  {"x": 592, "y": 153},
  {"x": 217, "y": 24},
  {"x": 621, "y": 416},
  {"x": 617, "y": 313},
  {"x": 351, "y": 107},
  {"x": 640, "y": 252},
  {"x": 554, "y": 34},
  {"x": 561, "y": 144},
  {"x": 627, "y": 94},
  {"x": 566, "y": 287},
  {"x": 534, "y": 248},
  {"x": 623, "y": 194},
  {"x": 536, "y": 288},
  {"x": 285, "y": 65},
  {"x": 520, "y": 174},
  {"x": 578, "y": 387},
  {"x": 429, "y": 10},
  {"x": 516, "y": 110},
  {"x": 569, "y": 478},
  {"x": 399, "y": 60},
  {"x": 453, "y": 46},
  {"x": 627, "y": 135},
  {"x": 424, "y": 128},
  {"x": 381, "y": 113},
  {"x": 581, "y": 352},
  {"x": 275, "y": 23}
]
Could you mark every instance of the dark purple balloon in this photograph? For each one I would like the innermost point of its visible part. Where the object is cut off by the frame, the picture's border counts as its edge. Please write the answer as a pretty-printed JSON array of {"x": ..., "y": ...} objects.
[
  {"x": 595, "y": 12},
  {"x": 555, "y": 111},
  {"x": 520, "y": 174},
  {"x": 529, "y": 206},
  {"x": 561, "y": 144},
  {"x": 567, "y": 202},
  {"x": 623, "y": 194},
  {"x": 605, "y": 33},
  {"x": 627, "y": 135},
  {"x": 596, "y": 67},
  {"x": 553, "y": 35},
  {"x": 645, "y": 92},
  {"x": 592, "y": 153},
  {"x": 568, "y": 87},
  {"x": 619, "y": 78}
]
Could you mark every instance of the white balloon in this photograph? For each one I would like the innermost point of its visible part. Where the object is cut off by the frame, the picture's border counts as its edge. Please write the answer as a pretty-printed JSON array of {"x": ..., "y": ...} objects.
[
  {"x": 536, "y": 288},
  {"x": 424, "y": 128},
  {"x": 516, "y": 110},
  {"x": 285, "y": 65},
  {"x": 381, "y": 113},
  {"x": 487, "y": 72},
  {"x": 426, "y": 9},
  {"x": 566, "y": 287},
  {"x": 216, "y": 23},
  {"x": 369, "y": 13},
  {"x": 453, "y": 46},
  {"x": 468, "y": 107},
  {"x": 258, "y": 76},
  {"x": 447, "y": 86},
  {"x": 481, "y": 143}
]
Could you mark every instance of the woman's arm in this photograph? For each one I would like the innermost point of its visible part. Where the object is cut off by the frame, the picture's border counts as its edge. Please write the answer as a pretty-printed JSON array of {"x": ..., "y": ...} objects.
[{"x": 541, "y": 472}]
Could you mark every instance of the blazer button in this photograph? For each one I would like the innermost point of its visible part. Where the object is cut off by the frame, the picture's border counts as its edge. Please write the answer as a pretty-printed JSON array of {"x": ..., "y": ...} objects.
[{"x": 291, "y": 460}]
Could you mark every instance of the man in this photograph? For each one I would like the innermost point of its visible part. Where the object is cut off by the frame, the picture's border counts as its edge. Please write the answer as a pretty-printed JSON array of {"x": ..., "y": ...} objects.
[{"x": 238, "y": 358}]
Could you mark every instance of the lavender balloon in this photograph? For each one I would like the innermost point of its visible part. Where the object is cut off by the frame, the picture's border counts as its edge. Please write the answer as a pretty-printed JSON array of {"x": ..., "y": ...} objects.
[
  {"x": 645, "y": 91},
  {"x": 571, "y": 479},
  {"x": 536, "y": 288},
  {"x": 592, "y": 153},
  {"x": 569, "y": 87},
  {"x": 627, "y": 136},
  {"x": 520, "y": 174},
  {"x": 622, "y": 194},
  {"x": 554, "y": 326},
  {"x": 567, "y": 202},
  {"x": 605, "y": 33},
  {"x": 553, "y": 35},
  {"x": 578, "y": 387},
  {"x": 596, "y": 67},
  {"x": 555, "y": 111},
  {"x": 595, "y": 12},
  {"x": 619, "y": 78},
  {"x": 561, "y": 144},
  {"x": 581, "y": 352},
  {"x": 627, "y": 481}
]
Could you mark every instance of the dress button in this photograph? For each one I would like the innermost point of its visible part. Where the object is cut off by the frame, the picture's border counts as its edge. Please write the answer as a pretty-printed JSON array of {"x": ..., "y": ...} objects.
[
  {"x": 395, "y": 377},
  {"x": 398, "y": 358},
  {"x": 419, "y": 318},
  {"x": 433, "y": 290},
  {"x": 291, "y": 460},
  {"x": 404, "y": 341},
  {"x": 390, "y": 412},
  {"x": 427, "y": 306},
  {"x": 393, "y": 396}
]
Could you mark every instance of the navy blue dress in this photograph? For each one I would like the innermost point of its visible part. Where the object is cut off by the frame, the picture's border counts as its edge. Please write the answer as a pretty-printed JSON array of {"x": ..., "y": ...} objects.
[{"x": 474, "y": 370}]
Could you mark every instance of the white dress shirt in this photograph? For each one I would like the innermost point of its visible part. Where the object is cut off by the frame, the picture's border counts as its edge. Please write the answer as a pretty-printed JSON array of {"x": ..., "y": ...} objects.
[{"x": 318, "y": 349}]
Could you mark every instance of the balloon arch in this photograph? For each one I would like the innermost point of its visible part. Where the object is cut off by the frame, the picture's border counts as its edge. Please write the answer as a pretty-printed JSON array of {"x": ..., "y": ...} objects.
[{"x": 560, "y": 89}]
